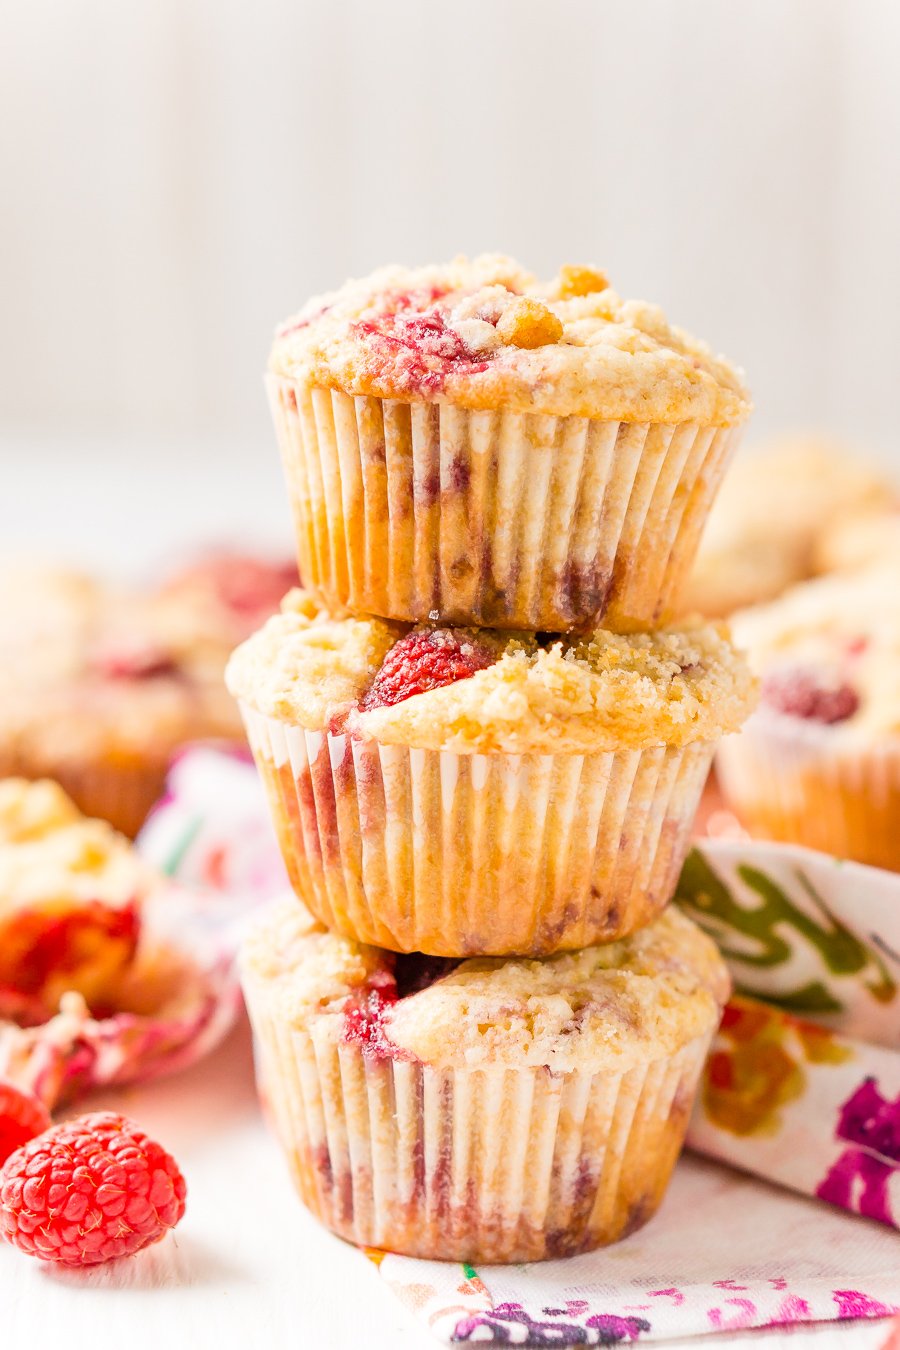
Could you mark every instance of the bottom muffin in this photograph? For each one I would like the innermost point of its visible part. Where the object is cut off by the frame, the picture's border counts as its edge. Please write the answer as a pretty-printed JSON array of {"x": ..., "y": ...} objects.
[{"x": 491, "y": 1109}]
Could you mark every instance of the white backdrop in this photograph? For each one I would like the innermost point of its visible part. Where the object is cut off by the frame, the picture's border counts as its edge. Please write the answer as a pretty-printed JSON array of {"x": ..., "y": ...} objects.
[{"x": 180, "y": 174}]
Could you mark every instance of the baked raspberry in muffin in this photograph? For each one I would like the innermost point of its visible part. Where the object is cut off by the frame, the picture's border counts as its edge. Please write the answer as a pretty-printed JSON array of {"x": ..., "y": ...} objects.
[
  {"x": 463, "y": 440},
  {"x": 819, "y": 763},
  {"x": 70, "y": 895},
  {"x": 481, "y": 1110},
  {"x": 465, "y": 791},
  {"x": 100, "y": 686}
]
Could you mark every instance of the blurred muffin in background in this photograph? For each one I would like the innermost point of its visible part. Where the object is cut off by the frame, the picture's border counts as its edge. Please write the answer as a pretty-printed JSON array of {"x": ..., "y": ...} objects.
[
  {"x": 860, "y": 540},
  {"x": 70, "y": 897},
  {"x": 819, "y": 762},
  {"x": 774, "y": 509},
  {"x": 99, "y": 686},
  {"x": 228, "y": 594}
]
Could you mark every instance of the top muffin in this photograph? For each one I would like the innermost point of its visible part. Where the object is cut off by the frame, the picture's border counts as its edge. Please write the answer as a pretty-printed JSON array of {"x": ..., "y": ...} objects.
[{"x": 486, "y": 333}]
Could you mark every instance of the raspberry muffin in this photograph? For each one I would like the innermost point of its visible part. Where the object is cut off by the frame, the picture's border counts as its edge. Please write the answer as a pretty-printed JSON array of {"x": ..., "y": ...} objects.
[
  {"x": 775, "y": 508},
  {"x": 860, "y": 540},
  {"x": 472, "y": 791},
  {"x": 70, "y": 891},
  {"x": 481, "y": 1110},
  {"x": 819, "y": 763},
  {"x": 225, "y": 595},
  {"x": 99, "y": 687},
  {"x": 464, "y": 441}
]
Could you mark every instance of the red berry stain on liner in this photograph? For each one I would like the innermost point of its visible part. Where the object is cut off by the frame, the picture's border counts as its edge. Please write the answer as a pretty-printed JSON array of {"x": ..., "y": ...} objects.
[
  {"x": 364, "y": 1019},
  {"x": 802, "y": 693},
  {"x": 425, "y": 660}
]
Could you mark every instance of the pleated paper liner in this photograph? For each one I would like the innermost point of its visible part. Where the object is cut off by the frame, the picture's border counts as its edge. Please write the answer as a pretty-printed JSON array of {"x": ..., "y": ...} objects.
[
  {"x": 488, "y": 1164},
  {"x": 485, "y": 854},
  {"x": 496, "y": 518},
  {"x": 806, "y": 784}
]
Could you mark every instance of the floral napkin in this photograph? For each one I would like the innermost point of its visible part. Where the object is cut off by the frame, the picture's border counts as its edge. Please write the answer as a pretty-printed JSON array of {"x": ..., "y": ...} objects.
[{"x": 802, "y": 1089}]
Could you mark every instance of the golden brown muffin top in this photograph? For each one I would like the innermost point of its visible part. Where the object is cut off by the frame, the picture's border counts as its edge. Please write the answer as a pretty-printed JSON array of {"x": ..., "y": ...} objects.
[
  {"x": 515, "y": 693},
  {"x": 487, "y": 334},
  {"x": 603, "y": 1008}
]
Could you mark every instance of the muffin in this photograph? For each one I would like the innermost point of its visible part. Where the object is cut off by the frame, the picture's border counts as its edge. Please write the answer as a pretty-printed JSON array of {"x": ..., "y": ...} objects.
[
  {"x": 226, "y": 595},
  {"x": 473, "y": 791},
  {"x": 819, "y": 763},
  {"x": 70, "y": 892},
  {"x": 100, "y": 686},
  {"x": 858, "y": 540},
  {"x": 481, "y": 1110},
  {"x": 463, "y": 441},
  {"x": 775, "y": 507}
]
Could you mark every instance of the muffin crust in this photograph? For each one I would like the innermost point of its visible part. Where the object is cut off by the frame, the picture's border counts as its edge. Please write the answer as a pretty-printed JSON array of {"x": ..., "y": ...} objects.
[
  {"x": 600, "y": 692},
  {"x": 486, "y": 334},
  {"x": 603, "y": 1008}
]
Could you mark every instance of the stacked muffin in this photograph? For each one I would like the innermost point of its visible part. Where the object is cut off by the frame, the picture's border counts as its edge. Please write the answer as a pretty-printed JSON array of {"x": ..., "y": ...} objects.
[{"x": 479, "y": 1027}]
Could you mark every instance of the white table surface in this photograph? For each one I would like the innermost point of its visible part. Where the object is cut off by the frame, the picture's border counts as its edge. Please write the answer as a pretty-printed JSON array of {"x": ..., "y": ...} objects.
[{"x": 247, "y": 1266}]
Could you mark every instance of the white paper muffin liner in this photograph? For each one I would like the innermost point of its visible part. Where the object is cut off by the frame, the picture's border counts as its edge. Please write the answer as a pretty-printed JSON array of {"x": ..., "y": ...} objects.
[
  {"x": 808, "y": 784},
  {"x": 493, "y": 518},
  {"x": 480, "y": 854},
  {"x": 475, "y": 1164}
]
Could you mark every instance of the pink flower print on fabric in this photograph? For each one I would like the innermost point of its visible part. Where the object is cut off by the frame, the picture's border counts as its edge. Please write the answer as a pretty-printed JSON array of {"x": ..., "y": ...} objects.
[{"x": 859, "y": 1179}]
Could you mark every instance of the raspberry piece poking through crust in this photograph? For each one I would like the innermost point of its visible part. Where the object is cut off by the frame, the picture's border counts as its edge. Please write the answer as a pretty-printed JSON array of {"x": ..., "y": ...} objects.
[
  {"x": 364, "y": 1018},
  {"x": 803, "y": 693},
  {"x": 22, "y": 1116},
  {"x": 422, "y": 661},
  {"x": 422, "y": 349},
  {"x": 88, "y": 1191}
]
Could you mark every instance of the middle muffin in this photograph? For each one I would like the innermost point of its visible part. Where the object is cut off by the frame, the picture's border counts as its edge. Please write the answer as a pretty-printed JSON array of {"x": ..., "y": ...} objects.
[{"x": 470, "y": 792}]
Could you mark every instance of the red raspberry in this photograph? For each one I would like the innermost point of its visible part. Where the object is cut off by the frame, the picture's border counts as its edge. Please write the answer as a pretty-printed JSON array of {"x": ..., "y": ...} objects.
[
  {"x": 803, "y": 693},
  {"x": 22, "y": 1116},
  {"x": 421, "y": 348},
  {"x": 425, "y": 660},
  {"x": 364, "y": 1018},
  {"x": 90, "y": 1190}
]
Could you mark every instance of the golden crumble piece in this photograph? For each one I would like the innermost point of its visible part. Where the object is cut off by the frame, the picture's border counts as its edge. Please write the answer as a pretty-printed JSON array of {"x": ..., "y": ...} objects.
[
  {"x": 575, "y": 280},
  {"x": 528, "y": 323}
]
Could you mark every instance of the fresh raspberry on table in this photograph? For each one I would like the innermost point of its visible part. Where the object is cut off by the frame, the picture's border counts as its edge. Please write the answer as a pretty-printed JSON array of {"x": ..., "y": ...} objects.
[
  {"x": 422, "y": 661},
  {"x": 90, "y": 1190},
  {"x": 22, "y": 1116},
  {"x": 803, "y": 693}
]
